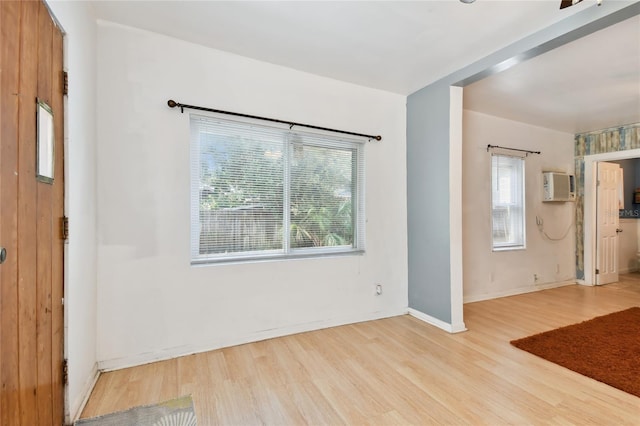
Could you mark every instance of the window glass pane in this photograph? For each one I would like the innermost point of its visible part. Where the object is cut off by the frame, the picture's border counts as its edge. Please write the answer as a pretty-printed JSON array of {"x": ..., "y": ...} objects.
[
  {"x": 241, "y": 193},
  {"x": 322, "y": 196},
  {"x": 507, "y": 183}
]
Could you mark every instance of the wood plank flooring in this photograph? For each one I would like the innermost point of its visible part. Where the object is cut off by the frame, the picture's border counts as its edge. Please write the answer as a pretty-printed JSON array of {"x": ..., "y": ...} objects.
[{"x": 395, "y": 371}]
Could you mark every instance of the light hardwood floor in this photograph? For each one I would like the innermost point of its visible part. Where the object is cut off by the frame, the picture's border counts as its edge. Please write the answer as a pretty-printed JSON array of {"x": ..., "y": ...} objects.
[{"x": 395, "y": 371}]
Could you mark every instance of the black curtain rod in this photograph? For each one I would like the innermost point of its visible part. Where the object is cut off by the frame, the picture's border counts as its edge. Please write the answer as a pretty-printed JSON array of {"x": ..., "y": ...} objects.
[
  {"x": 513, "y": 149},
  {"x": 174, "y": 104}
]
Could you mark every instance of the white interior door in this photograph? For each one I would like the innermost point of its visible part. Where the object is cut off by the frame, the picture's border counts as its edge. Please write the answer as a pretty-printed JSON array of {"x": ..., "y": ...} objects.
[{"x": 607, "y": 224}]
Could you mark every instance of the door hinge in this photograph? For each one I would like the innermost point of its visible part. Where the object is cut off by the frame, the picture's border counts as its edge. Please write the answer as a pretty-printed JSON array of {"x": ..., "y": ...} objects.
[
  {"x": 597, "y": 271},
  {"x": 65, "y": 83},
  {"x": 65, "y": 228},
  {"x": 65, "y": 372}
]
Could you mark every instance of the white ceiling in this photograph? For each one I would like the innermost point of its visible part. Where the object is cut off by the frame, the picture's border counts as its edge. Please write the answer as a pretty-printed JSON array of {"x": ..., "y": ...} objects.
[
  {"x": 589, "y": 84},
  {"x": 395, "y": 46}
]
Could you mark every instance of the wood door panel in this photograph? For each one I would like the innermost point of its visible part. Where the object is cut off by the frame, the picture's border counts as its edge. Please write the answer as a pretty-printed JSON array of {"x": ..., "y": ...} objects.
[
  {"x": 57, "y": 263},
  {"x": 1, "y": 130},
  {"x": 8, "y": 212},
  {"x": 44, "y": 233},
  {"x": 28, "y": 373},
  {"x": 31, "y": 280}
]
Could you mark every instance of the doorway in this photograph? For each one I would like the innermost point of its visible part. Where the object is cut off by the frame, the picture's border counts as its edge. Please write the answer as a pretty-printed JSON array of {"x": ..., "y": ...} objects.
[
  {"x": 608, "y": 204},
  {"x": 31, "y": 212},
  {"x": 591, "y": 211}
]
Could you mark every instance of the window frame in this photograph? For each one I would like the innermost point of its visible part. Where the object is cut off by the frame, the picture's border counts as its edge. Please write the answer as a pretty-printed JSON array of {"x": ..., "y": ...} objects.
[
  {"x": 315, "y": 139},
  {"x": 519, "y": 244}
]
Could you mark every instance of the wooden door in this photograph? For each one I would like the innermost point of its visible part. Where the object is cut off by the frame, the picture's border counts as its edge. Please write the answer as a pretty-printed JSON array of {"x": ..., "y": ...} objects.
[
  {"x": 31, "y": 277},
  {"x": 608, "y": 222}
]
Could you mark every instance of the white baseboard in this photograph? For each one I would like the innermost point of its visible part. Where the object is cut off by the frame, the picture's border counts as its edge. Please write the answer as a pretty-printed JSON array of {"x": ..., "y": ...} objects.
[
  {"x": 628, "y": 270},
  {"x": 169, "y": 353},
  {"x": 451, "y": 328},
  {"x": 516, "y": 291},
  {"x": 80, "y": 402}
]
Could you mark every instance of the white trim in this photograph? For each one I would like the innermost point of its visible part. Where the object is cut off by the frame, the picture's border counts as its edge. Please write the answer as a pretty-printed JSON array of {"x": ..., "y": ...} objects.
[
  {"x": 78, "y": 406},
  {"x": 589, "y": 224},
  {"x": 516, "y": 291},
  {"x": 455, "y": 208},
  {"x": 170, "y": 353},
  {"x": 457, "y": 328}
]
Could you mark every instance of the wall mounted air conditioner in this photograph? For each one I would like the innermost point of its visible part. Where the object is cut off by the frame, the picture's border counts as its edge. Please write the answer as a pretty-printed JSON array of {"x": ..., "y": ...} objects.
[{"x": 558, "y": 186}]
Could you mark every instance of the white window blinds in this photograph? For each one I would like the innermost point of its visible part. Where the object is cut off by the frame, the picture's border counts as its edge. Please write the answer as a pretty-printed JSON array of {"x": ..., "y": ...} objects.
[
  {"x": 507, "y": 199},
  {"x": 261, "y": 192}
]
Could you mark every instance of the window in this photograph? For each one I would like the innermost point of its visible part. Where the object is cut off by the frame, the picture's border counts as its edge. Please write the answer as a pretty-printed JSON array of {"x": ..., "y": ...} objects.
[
  {"x": 507, "y": 199},
  {"x": 265, "y": 192}
]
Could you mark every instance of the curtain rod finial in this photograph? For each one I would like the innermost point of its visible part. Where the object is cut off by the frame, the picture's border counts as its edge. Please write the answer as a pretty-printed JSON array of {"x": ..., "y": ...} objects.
[
  {"x": 378, "y": 138},
  {"x": 172, "y": 103}
]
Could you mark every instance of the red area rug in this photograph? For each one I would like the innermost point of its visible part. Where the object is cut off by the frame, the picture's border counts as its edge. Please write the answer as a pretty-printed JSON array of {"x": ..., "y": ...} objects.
[{"x": 605, "y": 348}]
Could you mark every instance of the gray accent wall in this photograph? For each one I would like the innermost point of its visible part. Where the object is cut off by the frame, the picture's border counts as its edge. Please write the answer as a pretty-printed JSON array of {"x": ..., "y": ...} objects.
[
  {"x": 428, "y": 169},
  {"x": 428, "y": 201}
]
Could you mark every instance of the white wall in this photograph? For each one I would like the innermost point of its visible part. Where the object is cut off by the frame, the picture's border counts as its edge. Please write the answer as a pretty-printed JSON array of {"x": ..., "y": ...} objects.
[
  {"x": 489, "y": 274},
  {"x": 152, "y": 303},
  {"x": 78, "y": 22}
]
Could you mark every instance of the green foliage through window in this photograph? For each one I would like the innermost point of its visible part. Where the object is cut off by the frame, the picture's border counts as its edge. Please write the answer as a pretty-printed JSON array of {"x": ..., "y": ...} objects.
[{"x": 251, "y": 182}]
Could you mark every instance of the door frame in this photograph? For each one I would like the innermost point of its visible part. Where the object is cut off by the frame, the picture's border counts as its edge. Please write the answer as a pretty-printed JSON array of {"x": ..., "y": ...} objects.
[{"x": 590, "y": 207}]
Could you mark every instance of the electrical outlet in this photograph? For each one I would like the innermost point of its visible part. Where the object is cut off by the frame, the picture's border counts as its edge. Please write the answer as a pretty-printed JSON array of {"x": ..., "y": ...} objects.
[
  {"x": 535, "y": 278},
  {"x": 378, "y": 289}
]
